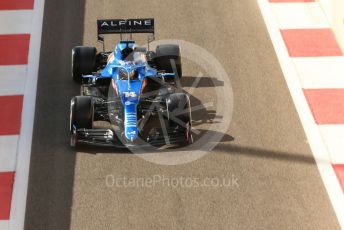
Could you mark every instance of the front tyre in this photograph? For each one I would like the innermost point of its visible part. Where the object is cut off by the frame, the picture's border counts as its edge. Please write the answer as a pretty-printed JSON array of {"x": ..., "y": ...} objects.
[
  {"x": 81, "y": 116},
  {"x": 179, "y": 116}
]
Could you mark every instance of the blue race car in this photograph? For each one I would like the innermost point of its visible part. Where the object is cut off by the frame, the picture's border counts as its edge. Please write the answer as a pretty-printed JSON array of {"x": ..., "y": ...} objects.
[{"x": 129, "y": 96}]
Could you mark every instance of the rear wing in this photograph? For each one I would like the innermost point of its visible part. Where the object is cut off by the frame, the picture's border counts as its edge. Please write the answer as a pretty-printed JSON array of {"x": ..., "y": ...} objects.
[{"x": 125, "y": 26}]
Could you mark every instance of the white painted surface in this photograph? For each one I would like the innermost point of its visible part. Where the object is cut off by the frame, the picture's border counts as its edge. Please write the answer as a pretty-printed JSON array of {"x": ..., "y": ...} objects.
[
  {"x": 333, "y": 136},
  {"x": 4, "y": 225},
  {"x": 299, "y": 15},
  {"x": 320, "y": 72},
  {"x": 8, "y": 153},
  {"x": 12, "y": 80},
  {"x": 15, "y": 21},
  {"x": 19, "y": 195},
  {"x": 327, "y": 7},
  {"x": 312, "y": 131},
  {"x": 334, "y": 11}
]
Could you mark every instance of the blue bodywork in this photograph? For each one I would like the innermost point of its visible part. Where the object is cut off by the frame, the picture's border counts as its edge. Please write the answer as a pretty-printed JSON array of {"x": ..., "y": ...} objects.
[{"x": 129, "y": 90}]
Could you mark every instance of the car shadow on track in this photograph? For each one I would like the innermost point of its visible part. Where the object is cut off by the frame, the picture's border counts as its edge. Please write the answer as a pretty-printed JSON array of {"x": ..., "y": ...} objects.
[
  {"x": 265, "y": 153},
  {"x": 204, "y": 81},
  {"x": 225, "y": 146},
  {"x": 203, "y": 112}
]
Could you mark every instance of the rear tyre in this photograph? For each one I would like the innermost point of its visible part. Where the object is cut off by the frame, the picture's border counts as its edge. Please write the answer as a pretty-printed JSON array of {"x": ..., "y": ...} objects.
[
  {"x": 168, "y": 59},
  {"x": 81, "y": 116},
  {"x": 83, "y": 62}
]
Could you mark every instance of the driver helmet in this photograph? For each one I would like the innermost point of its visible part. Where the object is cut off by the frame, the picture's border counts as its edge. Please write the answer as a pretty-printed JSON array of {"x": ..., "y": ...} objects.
[{"x": 124, "y": 50}]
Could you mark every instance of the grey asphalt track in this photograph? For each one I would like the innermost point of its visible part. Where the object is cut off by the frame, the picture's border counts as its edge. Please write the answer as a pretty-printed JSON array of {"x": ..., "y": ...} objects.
[{"x": 265, "y": 149}]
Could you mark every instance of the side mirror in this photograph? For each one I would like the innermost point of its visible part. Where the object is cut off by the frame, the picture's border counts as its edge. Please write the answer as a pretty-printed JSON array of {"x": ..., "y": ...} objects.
[
  {"x": 167, "y": 75},
  {"x": 88, "y": 79},
  {"x": 100, "y": 38}
]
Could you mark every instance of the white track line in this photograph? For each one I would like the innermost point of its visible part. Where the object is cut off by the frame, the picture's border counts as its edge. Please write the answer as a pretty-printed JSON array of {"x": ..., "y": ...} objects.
[
  {"x": 311, "y": 129},
  {"x": 12, "y": 80},
  {"x": 333, "y": 136},
  {"x": 299, "y": 15},
  {"x": 24, "y": 148},
  {"x": 8, "y": 153},
  {"x": 15, "y": 21},
  {"x": 320, "y": 72}
]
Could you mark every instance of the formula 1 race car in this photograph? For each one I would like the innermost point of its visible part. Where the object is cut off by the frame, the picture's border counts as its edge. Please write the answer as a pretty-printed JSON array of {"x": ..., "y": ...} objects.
[{"x": 131, "y": 89}]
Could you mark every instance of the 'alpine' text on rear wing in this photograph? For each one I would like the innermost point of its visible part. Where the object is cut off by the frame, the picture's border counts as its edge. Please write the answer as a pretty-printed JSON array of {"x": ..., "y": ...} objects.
[{"x": 121, "y": 26}]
